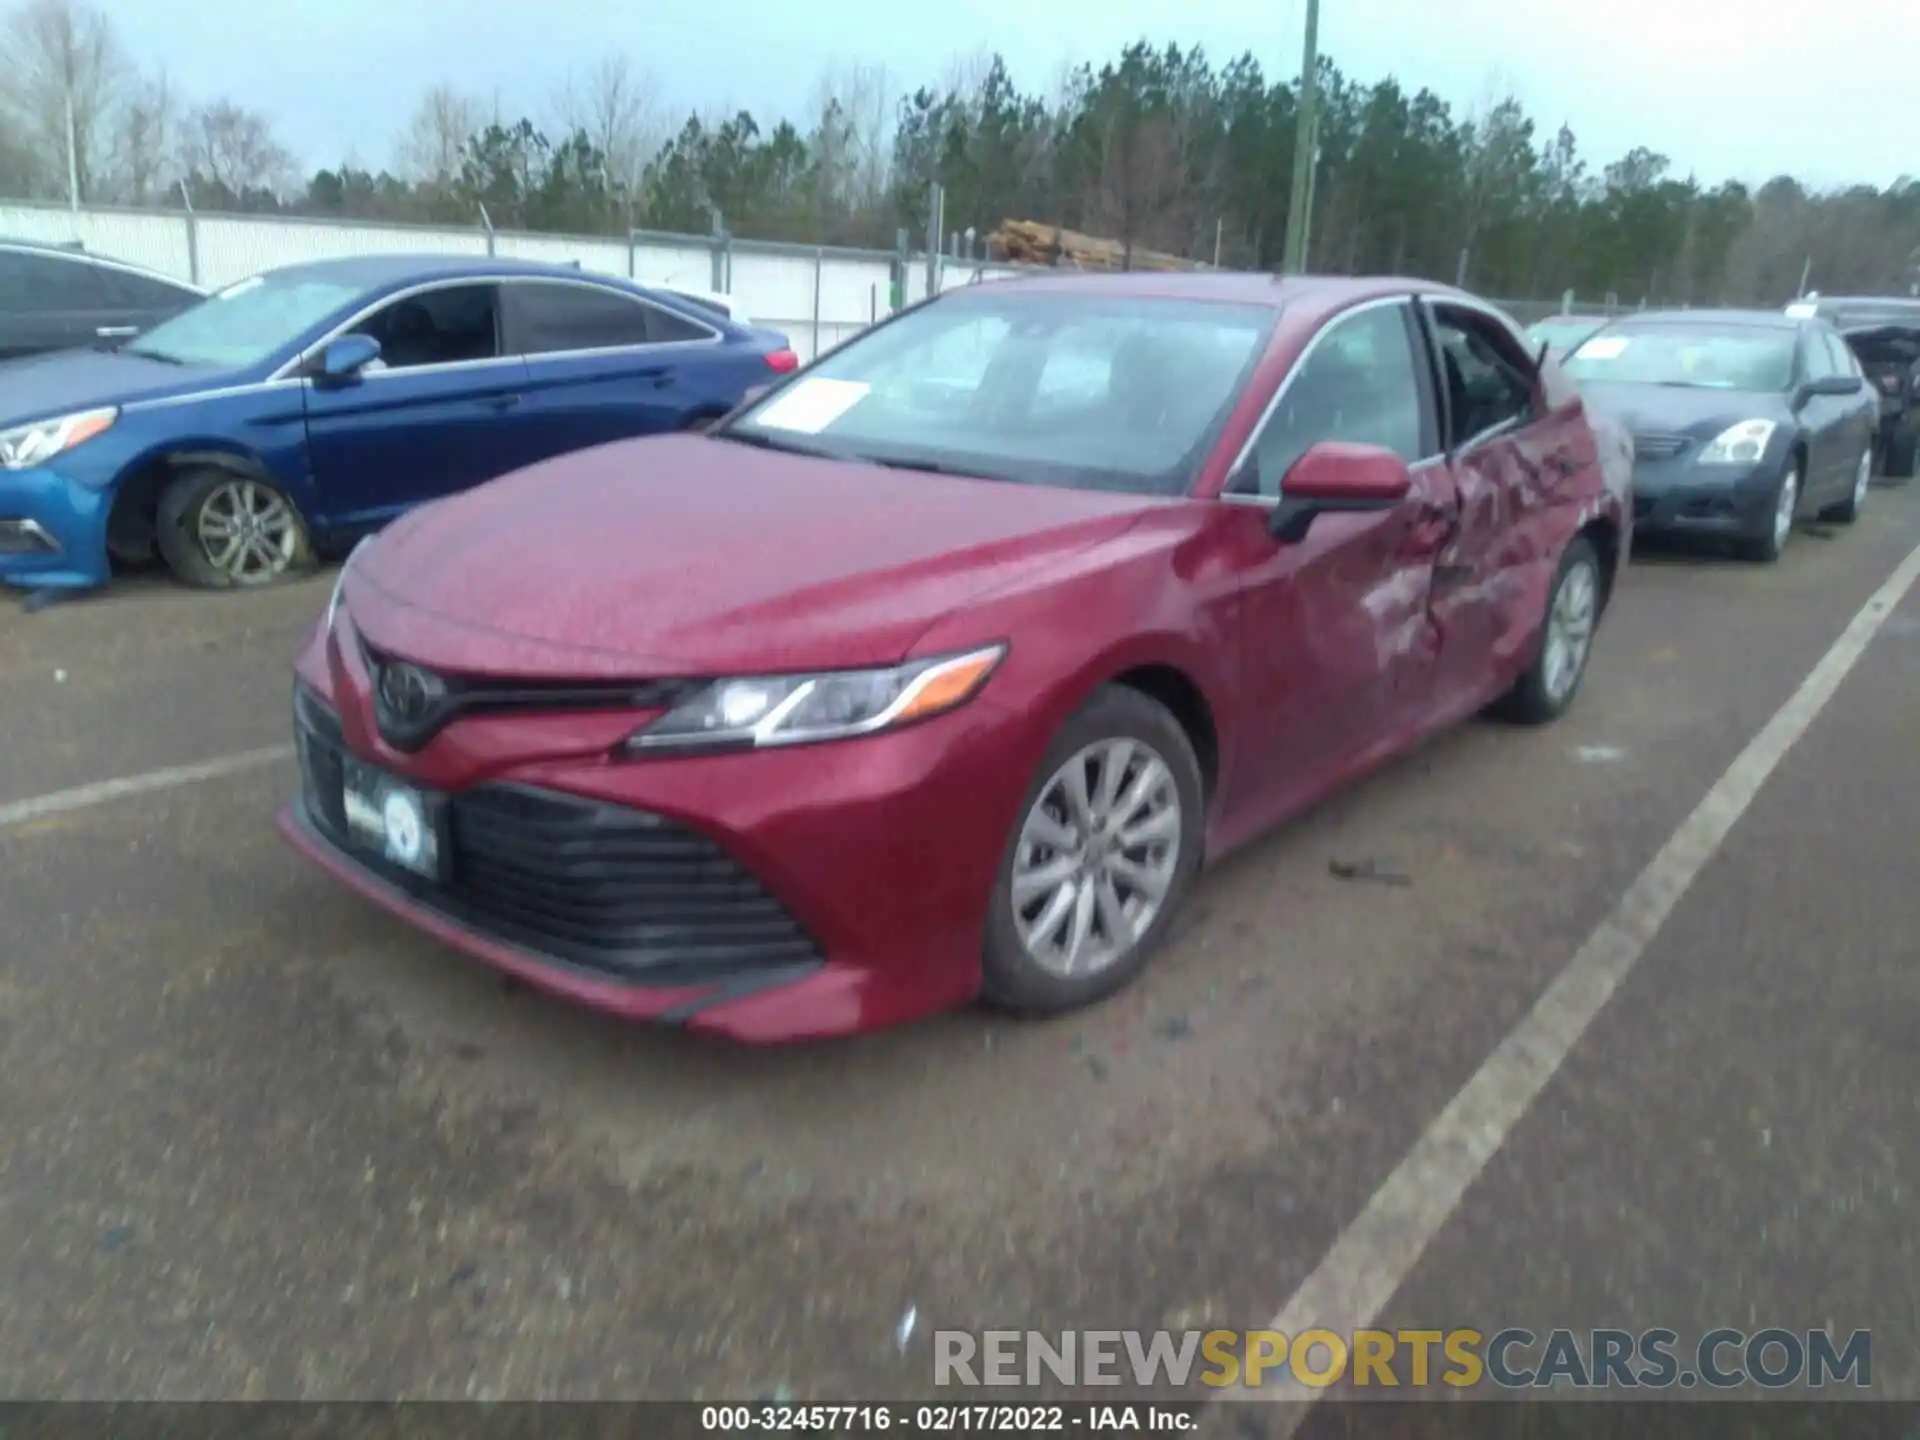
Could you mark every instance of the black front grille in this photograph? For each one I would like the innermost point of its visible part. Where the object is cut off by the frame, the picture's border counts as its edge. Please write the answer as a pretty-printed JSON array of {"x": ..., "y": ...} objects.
[
  {"x": 1651, "y": 445},
  {"x": 615, "y": 890}
]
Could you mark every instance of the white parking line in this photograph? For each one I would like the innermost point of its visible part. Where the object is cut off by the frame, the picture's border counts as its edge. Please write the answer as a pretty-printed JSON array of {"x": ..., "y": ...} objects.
[
  {"x": 1375, "y": 1254},
  {"x": 81, "y": 797}
]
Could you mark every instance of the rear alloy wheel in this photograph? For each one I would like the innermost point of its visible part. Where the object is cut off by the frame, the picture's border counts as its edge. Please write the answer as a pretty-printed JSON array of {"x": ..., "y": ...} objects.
[
  {"x": 1903, "y": 450},
  {"x": 1848, "y": 510},
  {"x": 1574, "y": 603},
  {"x": 1106, "y": 847},
  {"x": 1766, "y": 546},
  {"x": 223, "y": 531}
]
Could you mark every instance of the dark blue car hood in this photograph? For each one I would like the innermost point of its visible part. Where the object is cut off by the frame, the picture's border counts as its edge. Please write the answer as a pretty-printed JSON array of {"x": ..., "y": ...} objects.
[
  {"x": 1683, "y": 409},
  {"x": 46, "y": 385}
]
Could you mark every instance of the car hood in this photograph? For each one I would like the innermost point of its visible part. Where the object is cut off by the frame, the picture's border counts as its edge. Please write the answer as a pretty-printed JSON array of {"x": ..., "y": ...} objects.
[
  {"x": 1682, "y": 410},
  {"x": 42, "y": 386},
  {"x": 686, "y": 556}
]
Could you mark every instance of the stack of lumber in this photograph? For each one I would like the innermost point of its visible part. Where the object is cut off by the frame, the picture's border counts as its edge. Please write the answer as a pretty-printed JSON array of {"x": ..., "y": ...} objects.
[{"x": 1028, "y": 242}]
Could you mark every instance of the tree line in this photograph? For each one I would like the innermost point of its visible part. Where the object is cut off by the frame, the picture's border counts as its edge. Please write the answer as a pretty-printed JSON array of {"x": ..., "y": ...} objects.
[{"x": 1159, "y": 147}]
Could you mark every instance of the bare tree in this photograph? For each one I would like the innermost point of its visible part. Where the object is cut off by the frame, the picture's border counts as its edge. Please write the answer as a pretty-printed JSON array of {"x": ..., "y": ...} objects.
[
  {"x": 143, "y": 140},
  {"x": 230, "y": 148},
  {"x": 621, "y": 111},
  {"x": 430, "y": 148},
  {"x": 63, "y": 65}
]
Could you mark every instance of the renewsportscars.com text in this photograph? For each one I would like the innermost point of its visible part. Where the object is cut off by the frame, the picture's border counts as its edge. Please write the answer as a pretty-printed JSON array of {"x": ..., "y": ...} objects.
[{"x": 1511, "y": 1359}]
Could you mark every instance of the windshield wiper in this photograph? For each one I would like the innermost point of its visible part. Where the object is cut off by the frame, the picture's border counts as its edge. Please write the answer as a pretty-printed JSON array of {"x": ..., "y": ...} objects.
[
  {"x": 761, "y": 441},
  {"x": 161, "y": 356}
]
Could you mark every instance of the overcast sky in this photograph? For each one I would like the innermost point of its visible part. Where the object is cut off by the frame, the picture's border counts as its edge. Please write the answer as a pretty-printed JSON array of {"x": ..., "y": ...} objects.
[{"x": 1741, "y": 88}]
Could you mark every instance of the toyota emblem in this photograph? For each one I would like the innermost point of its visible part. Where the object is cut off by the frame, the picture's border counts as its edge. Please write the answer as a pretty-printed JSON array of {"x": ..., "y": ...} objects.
[{"x": 410, "y": 693}]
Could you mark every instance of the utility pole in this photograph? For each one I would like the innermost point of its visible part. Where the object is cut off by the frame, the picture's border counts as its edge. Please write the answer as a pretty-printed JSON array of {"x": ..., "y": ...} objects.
[
  {"x": 73, "y": 156},
  {"x": 1305, "y": 143}
]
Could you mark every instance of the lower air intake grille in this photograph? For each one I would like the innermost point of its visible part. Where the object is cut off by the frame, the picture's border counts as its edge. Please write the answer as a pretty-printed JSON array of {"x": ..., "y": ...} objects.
[{"x": 614, "y": 889}]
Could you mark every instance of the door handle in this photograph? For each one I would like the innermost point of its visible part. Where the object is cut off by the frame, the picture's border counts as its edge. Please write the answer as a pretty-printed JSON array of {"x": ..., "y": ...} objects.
[
  {"x": 664, "y": 380},
  {"x": 501, "y": 402},
  {"x": 116, "y": 332}
]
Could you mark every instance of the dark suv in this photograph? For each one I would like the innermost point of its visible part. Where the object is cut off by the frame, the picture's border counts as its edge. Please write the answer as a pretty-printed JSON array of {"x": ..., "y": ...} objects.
[
  {"x": 1884, "y": 332},
  {"x": 57, "y": 298}
]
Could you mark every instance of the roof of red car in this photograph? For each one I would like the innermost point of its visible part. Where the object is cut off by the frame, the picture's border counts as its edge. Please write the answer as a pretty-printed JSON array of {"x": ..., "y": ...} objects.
[{"x": 1328, "y": 292}]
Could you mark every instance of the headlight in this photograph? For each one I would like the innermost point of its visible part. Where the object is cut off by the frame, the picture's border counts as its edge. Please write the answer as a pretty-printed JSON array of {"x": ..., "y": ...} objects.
[
  {"x": 35, "y": 444},
  {"x": 340, "y": 585},
  {"x": 1741, "y": 444},
  {"x": 794, "y": 709}
]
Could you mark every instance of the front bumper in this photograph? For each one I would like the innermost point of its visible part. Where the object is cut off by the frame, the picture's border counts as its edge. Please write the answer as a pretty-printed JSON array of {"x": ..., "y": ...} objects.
[
  {"x": 53, "y": 531},
  {"x": 1677, "y": 497},
  {"x": 867, "y": 865}
]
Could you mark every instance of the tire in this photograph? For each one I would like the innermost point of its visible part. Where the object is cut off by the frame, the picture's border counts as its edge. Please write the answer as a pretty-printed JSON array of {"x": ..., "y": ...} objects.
[
  {"x": 1029, "y": 973},
  {"x": 198, "y": 504},
  {"x": 1546, "y": 687},
  {"x": 1848, "y": 510},
  {"x": 1903, "y": 451},
  {"x": 1765, "y": 547}
]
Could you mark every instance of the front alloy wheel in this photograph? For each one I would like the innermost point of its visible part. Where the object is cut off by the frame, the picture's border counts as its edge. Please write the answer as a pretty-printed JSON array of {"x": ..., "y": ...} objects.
[
  {"x": 225, "y": 531},
  {"x": 1766, "y": 546},
  {"x": 1096, "y": 857},
  {"x": 1100, "y": 857}
]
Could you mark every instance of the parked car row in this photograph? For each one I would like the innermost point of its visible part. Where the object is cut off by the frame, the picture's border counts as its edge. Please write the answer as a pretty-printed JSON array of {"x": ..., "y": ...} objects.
[{"x": 934, "y": 670}]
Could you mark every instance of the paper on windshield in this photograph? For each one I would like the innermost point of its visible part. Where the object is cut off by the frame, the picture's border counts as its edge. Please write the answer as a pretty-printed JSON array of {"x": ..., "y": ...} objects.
[
  {"x": 809, "y": 406},
  {"x": 1603, "y": 347}
]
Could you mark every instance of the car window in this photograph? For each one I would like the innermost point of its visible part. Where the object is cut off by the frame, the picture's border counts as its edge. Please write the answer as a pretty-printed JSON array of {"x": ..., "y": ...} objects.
[
  {"x": 246, "y": 322},
  {"x": 1815, "y": 362},
  {"x": 451, "y": 325},
  {"x": 1839, "y": 357},
  {"x": 130, "y": 290},
  {"x": 1359, "y": 384},
  {"x": 1485, "y": 388},
  {"x": 1085, "y": 389},
  {"x": 42, "y": 284},
  {"x": 550, "y": 317}
]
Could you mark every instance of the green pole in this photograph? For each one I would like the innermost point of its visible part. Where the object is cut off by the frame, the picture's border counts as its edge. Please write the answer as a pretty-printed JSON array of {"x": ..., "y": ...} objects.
[{"x": 1300, "y": 205}]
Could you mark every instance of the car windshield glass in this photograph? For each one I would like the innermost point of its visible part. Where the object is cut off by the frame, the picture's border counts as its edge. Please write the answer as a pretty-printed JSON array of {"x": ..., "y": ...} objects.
[
  {"x": 1563, "y": 332},
  {"x": 1088, "y": 391},
  {"x": 245, "y": 323},
  {"x": 1726, "y": 357}
]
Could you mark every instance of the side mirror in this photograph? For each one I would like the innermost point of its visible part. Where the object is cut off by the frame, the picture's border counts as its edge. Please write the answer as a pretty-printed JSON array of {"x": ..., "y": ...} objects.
[
  {"x": 1337, "y": 478},
  {"x": 344, "y": 359}
]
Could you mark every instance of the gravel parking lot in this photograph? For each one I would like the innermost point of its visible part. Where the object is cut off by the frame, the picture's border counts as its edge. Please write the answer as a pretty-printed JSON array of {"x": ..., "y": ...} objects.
[{"x": 263, "y": 1141}]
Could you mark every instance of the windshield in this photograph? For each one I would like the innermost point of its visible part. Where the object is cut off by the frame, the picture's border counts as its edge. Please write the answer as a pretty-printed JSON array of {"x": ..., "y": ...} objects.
[
  {"x": 1096, "y": 392},
  {"x": 1727, "y": 357},
  {"x": 245, "y": 323}
]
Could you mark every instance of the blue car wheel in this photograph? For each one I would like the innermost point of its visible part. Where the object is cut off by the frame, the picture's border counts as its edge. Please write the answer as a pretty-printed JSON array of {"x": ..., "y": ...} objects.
[{"x": 218, "y": 530}]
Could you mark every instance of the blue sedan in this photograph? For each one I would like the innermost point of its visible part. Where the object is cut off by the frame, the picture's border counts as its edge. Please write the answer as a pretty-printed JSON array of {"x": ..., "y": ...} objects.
[{"x": 294, "y": 412}]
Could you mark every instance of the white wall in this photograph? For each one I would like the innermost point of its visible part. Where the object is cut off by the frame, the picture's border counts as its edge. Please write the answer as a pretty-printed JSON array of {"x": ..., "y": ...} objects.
[{"x": 827, "y": 294}]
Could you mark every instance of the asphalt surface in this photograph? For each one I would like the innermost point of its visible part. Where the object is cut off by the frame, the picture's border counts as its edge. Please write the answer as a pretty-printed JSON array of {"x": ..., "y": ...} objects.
[{"x": 257, "y": 1140}]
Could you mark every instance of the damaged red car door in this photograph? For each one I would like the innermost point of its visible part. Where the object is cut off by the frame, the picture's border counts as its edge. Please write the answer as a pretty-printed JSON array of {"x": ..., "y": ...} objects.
[
  {"x": 1519, "y": 449},
  {"x": 1338, "y": 642}
]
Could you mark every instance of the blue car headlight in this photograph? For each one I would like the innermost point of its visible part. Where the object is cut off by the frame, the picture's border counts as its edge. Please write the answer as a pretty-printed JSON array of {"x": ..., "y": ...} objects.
[
  {"x": 1742, "y": 444},
  {"x": 25, "y": 446},
  {"x": 765, "y": 710}
]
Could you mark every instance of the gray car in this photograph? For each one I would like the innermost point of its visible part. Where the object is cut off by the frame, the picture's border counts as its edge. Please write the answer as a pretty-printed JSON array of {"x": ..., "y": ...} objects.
[
  {"x": 1743, "y": 421},
  {"x": 55, "y": 297}
]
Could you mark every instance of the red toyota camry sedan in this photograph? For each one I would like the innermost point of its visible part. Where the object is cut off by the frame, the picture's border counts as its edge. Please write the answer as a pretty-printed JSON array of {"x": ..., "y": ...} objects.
[{"x": 936, "y": 672}]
